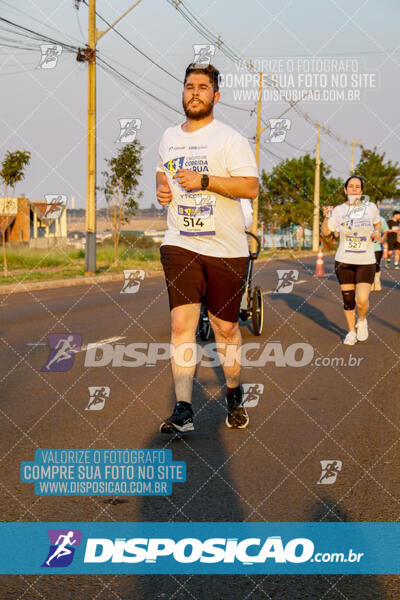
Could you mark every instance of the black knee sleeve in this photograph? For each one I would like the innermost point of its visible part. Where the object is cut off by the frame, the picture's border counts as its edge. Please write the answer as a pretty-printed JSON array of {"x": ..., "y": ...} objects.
[{"x": 349, "y": 299}]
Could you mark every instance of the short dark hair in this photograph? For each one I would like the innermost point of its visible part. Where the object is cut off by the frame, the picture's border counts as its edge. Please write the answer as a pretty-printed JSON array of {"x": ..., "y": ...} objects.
[
  {"x": 208, "y": 70},
  {"x": 353, "y": 177},
  {"x": 396, "y": 212}
]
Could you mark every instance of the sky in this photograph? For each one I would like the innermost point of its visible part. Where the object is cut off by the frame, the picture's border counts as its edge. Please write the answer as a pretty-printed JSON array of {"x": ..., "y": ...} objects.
[{"x": 342, "y": 55}]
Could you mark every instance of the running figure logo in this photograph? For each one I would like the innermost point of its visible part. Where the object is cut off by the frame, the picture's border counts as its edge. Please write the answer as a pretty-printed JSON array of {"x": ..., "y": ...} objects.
[
  {"x": 128, "y": 130},
  {"x": 63, "y": 347},
  {"x": 63, "y": 543},
  {"x": 55, "y": 205},
  {"x": 330, "y": 470},
  {"x": 203, "y": 54},
  {"x": 278, "y": 130},
  {"x": 286, "y": 280},
  {"x": 252, "y": 393},
  {"x": 50, "y": 54},
  {"x": 98, "y": 396},
  {"x": 133, "y": 279}
]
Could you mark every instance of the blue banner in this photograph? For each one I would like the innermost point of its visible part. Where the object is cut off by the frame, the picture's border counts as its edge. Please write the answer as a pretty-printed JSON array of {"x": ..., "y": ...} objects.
[{"x": 200, "y": 548}]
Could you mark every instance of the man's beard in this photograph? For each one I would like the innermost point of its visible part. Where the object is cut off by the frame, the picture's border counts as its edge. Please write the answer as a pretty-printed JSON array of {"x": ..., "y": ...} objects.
[{"x": 204, "y": 112}]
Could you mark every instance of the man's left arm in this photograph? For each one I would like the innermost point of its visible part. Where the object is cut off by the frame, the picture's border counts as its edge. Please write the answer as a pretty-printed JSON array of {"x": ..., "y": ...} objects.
[{"x": 232, "y": 187}]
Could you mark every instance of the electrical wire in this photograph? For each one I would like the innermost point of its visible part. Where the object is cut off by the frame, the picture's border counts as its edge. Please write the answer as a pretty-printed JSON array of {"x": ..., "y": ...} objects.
[
  {"x": 37, "y": 20},
  {"x": 39, "y": 36},
  {"x": 235, "y": 57},
  {"x": 155, "y": 63},
  {"x": 103, "y": 62}
]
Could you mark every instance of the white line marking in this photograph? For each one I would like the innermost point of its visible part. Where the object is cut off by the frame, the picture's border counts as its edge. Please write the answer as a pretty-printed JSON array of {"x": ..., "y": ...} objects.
[
  {"x": 101, "y": 342},
  {"x": 294, "y": 283}
]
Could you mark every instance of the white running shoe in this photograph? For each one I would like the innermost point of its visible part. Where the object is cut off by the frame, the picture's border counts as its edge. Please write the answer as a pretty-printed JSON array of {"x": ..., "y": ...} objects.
[
  {"x": 350, "y": 339},
  {"x": 362, "y": 330}
]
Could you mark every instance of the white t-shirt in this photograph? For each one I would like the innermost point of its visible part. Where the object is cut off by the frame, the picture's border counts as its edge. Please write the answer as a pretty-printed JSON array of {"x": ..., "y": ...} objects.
[
  {"x": 355, "y": 225},
  {"x": 247, "y": 209},
  {"x": 203, "y": 221}
]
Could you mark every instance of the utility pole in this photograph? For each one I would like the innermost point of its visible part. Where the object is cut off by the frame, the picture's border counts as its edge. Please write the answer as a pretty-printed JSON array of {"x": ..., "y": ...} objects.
[
  {"x": 315, "y": 233},
  {"x": 353, "y": 142},
  {"x": 259, "y": 131},
  {"x": 90, "y": 252},
  {"x": 89, "y": 54}
]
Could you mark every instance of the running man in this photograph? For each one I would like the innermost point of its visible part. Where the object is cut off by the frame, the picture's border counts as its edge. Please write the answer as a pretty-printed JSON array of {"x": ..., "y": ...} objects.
[
  {"x": 65, "y": 350},
  {"x": 204, "y": 252},
  {"x": 62, "y": 549},
  {"x": 359, "y": 226},
  {"x": 393, "y": 239}
]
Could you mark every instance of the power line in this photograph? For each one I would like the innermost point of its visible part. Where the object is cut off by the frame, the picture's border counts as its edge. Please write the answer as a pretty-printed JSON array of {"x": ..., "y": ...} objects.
[
  {"x": 280, "y": 158},
  {"x": 236, "y": 58},
  {"x": 37, "y": 20},
  {"x": 155, "y": 63},
  {"x": 297, "y": 148},
  {"x": 40, "y": 36},
  {"x": 144, "y": 91},
  {"x": 135, "y": 47}
]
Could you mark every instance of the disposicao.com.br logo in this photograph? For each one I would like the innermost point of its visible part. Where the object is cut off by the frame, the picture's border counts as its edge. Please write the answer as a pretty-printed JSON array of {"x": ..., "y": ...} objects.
[
  {"x": 252, "y": 354},
  {"x": 200, "y": 547},
  {"x": 248, "y": 551}
]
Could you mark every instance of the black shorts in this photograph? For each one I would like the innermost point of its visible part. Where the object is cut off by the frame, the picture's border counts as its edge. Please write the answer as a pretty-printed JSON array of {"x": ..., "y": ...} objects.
[
  {"x": 393, "y": 244},
  {"x": 215, "y": 282},
  {"x": 378, "y": 258},
  {"x": 347, "y": 273}
]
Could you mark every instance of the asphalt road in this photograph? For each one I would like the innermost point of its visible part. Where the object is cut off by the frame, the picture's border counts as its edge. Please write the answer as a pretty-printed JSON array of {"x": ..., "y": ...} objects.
[{"x": 324, "y": 410}]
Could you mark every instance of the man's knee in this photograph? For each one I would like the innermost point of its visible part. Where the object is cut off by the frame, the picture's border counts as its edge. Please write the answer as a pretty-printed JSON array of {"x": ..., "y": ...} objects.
[
  {"x": 225, "y": 328},
  {"x": 181, "y": 323}
]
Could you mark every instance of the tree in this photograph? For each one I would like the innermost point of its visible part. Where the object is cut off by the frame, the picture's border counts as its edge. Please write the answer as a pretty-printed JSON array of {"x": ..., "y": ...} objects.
[
  {"x": 287, "y": 192},
  {"x": 11, "y": 172},
  {"x": 381, "y": 179},
  {"x": 12, "y": 169},
  {"x": 120, "y": 182}
]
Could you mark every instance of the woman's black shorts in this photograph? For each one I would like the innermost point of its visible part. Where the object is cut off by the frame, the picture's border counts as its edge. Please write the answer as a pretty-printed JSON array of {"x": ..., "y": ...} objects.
[{"x": 347, "y": 273}]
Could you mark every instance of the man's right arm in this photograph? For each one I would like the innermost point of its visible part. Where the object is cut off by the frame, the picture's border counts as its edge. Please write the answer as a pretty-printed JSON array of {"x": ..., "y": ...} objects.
[{"x": 163, "y": 191}]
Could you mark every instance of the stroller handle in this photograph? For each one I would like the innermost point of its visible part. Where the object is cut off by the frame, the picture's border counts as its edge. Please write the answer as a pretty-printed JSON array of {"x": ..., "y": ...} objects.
[{"x": 254, "y": 254}]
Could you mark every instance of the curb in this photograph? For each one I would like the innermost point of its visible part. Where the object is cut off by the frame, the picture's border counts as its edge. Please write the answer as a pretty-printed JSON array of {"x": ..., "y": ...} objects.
[{"x": 21, "y": 287}]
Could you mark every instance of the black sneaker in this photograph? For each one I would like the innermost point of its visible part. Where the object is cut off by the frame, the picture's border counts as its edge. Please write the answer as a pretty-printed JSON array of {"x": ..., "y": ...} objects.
[
  {"x": 181, "y": 419},
  {"x": 237, "y": 417}
]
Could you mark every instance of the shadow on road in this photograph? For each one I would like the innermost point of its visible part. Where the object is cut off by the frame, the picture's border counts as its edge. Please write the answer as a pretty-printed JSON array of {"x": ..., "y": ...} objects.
[
  {"x": 313, "y": 313},
  {"x": 256, "y": 587},
  {"x": 208, "y": 495}
]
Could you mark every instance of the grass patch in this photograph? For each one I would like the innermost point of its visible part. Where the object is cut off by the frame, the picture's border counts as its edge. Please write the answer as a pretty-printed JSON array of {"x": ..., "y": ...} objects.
[
  {"x": 41, "y": 276},
  {"x": 28, "y": 258},
  {"x": 134, "y": 252}
]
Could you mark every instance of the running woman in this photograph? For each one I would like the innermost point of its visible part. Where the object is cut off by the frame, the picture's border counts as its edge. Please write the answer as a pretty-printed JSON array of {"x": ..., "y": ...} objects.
[
  {"x": 378, "y": 249},
  {"x": 393, "y": 239},
  {"x": 359, "y": 227},
  {"x": 204, "y": 168}
]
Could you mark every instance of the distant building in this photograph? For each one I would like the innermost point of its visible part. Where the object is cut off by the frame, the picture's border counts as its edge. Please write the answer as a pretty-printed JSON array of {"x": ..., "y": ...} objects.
[{"x": 37, "y": 224}]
